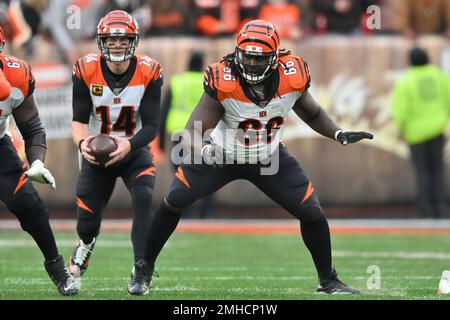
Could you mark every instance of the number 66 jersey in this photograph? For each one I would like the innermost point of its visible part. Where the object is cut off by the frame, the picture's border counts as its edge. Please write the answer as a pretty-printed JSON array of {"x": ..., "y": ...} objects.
[
  {"x": 251, "y": 128},
  {"x": 115, "y": 104}
]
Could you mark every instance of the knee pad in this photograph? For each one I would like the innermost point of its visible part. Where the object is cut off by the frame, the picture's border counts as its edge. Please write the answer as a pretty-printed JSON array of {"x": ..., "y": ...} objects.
[
  {"x": 29, "y": 209},
  {"x": 311, "y": 210},
  {"x": 309, "y": 213},
  {"x": 178, "y": 198}
]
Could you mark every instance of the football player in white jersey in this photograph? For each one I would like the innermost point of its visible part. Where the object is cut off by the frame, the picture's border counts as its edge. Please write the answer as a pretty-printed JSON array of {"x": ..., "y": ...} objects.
[
  {"x": 118, "y": 93},
  {"x": 16, "y": 190},
  {"x": 247, "y": 97}
]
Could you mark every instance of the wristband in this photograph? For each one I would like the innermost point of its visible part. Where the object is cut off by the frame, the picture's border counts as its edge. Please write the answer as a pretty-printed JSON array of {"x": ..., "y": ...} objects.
[{"x": 79, "y": 144}]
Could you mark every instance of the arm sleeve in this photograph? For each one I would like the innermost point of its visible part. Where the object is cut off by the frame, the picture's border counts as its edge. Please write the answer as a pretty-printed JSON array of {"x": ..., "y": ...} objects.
[
  {"x": 150, "y": 111},
  {"x": 32, "y": 130},
  {"x": 81, "y": 101}
]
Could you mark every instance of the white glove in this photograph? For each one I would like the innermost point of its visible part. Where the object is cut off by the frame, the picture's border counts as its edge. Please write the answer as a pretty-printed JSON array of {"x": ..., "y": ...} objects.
[
  {"x": 40, "y": 174},
  {"x": 213, "y": 155}
]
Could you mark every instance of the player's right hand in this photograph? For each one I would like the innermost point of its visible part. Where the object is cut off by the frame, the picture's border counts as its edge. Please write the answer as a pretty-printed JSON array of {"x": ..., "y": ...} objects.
[
  {"x": 213, "y": 155},
  {"x": 40, "y": 174},
  {"x": 86, "y": 151}
]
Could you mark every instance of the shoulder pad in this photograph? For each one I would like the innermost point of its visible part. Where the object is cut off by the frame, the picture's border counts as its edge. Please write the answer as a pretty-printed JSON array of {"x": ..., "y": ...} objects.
[
  {"x": 219, "y": 77},
  {"x": 18, "y": 73},
  {"x": 86, "y": 67},
  {"x": 296, "y": 70},
  {"x": 150, "y": 69}
]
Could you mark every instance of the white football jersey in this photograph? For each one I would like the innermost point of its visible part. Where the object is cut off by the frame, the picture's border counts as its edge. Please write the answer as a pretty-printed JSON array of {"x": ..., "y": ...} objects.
[
  {"x": 116, "y": 113},
  {"x": 248, "y": 132}
]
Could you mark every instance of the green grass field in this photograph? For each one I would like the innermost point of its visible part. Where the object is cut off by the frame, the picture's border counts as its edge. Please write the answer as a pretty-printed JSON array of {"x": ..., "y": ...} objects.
[{"x": 206, "y": 266}]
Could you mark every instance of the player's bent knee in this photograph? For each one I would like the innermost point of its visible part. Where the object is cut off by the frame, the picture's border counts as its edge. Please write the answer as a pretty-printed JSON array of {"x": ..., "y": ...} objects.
[
  {"x": 310, "y": 210},
  {"x": 29, "y": 209},
  {"x": 88, "y": 226},
  {"x": 311, "y": 213},
  {"x": 178, "y": 198}
]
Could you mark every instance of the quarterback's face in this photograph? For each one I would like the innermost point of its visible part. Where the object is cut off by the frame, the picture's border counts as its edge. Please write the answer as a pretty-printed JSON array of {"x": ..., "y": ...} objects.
[{"x": 117, "y": 45}]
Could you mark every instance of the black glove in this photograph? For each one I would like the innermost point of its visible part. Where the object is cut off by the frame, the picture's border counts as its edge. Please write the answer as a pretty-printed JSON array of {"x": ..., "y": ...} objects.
[{"x": 345, "y": 137}]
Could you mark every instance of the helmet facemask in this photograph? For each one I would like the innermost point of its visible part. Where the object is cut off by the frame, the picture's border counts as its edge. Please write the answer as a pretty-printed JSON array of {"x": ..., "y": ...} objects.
[
  {"x": 106, "y": 51},
  {"x": 255, "y": 66}
]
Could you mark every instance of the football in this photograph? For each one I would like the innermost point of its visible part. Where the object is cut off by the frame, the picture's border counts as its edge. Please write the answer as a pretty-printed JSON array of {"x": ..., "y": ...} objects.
[{"x": 101, "y": 146}]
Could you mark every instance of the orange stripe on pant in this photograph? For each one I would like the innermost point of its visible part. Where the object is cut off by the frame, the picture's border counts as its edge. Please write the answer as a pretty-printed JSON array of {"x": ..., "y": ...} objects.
[
  {"x": 147, "y": 172},
  {"x": 23, "y": 179},
  {"x": 82, "y": 205},
  {"x": 180, "y": 175},
  {"x": 308, "y": 193}
]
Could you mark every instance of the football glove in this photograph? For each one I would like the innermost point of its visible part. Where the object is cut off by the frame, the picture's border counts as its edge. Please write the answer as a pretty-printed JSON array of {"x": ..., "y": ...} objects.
[
  {"x": 40, "y": 174},
  {"x": 345, "y": 137},
  {"x": 213, "y": 155}
]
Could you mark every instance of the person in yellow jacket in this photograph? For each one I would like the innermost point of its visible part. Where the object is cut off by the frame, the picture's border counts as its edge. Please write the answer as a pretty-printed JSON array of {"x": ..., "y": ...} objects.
[
  {"x": 180, "y": 100},
  {"x": 421, "y": 110}
]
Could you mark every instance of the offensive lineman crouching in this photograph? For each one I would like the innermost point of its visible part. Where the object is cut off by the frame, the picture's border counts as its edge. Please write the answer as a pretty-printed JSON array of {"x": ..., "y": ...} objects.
[{"x": 249, "y": 93}]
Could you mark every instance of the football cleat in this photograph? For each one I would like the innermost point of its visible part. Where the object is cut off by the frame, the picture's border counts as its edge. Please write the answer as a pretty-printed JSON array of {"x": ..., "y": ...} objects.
[
  {"x": 79, "y": 259},
  {"x": 65, "y": 283},
  {"x": 141, "y": 278},
  {"x": 333, "y": 285}
]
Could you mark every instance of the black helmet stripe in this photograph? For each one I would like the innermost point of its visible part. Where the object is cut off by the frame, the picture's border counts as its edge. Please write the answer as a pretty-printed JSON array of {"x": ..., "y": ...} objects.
[{"x": 257, "y": 41}]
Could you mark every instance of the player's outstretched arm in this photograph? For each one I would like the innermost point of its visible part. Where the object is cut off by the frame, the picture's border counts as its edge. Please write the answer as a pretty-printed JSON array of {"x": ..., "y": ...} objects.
[
  {"x": 33, "y": 133},
  {"x": 314, "y": 116}
]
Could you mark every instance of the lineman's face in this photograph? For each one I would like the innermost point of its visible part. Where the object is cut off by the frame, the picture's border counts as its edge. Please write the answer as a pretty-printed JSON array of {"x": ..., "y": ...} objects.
[{"x": 255, "y": 64}]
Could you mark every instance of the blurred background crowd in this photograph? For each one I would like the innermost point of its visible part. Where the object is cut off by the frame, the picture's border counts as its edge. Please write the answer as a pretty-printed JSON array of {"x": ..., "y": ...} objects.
[
  {"x": 357, "y": 50},
  {"x": 295, "y": 19}
]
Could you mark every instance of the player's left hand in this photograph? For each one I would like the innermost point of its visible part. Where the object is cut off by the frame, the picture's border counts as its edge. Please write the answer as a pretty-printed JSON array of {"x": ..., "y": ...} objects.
[
  {"x": 40, "y": 174},
  {"x": 346, "y": 137},
  {"x": 123, "y": 148}
]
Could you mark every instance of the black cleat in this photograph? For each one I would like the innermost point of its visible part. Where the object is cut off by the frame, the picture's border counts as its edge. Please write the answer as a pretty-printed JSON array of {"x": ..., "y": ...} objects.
[
  {"x": 333, "y": 285},
  {"x": 79, "y": 260},
  {"x": 65, "y": 283},
  {"x": 141, "y": 278}
]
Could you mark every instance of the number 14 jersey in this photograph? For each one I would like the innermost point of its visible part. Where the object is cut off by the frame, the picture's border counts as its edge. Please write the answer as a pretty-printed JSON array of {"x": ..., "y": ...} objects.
[{"x": 113, "y": 104}]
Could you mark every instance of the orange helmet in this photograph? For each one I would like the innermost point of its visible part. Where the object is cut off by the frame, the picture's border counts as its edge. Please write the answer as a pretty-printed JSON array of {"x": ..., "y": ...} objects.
[
  {"x": 2, "y": 40},
  {"x": 117, "y": 23},
  {"x": 256, "y": 54}
]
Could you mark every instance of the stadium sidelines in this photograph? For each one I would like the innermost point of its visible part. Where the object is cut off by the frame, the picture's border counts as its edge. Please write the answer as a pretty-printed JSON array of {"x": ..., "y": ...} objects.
[{"x": 264, "y": 226}]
